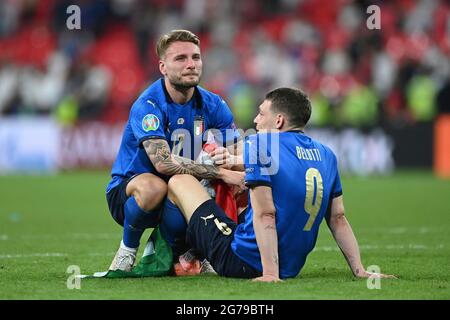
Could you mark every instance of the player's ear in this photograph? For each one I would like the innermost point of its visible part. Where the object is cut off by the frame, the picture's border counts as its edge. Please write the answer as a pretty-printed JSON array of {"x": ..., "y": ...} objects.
[
  {"x": 162, "y": 67},
  {"x": 280, "y": 121}
]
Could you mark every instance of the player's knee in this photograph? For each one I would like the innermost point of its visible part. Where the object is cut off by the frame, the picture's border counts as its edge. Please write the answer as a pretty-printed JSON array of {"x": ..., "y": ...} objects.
[
  {"x": 176, "y": 182},
  {"x": 150, "y": 194}
]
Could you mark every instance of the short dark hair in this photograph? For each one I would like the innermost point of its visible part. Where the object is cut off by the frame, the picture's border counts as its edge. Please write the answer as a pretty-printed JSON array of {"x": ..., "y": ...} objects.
[
  {"x": 173, "y": 36},
  {"x": 293, "y": 103}
]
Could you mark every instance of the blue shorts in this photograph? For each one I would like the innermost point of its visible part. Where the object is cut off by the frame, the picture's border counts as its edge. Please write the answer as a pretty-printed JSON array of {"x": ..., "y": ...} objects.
[
  {"x": 210, "y": 232},
  {"x": 116, "y": 198}
]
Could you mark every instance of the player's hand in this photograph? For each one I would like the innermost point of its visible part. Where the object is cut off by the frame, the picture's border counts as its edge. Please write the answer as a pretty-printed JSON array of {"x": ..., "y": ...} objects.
[
  {"x": 375, "y": 275},
  {"x": 221, "y": 156},
  {"x": 236, "y": 178},
  {"x": 267, "y": 278}
]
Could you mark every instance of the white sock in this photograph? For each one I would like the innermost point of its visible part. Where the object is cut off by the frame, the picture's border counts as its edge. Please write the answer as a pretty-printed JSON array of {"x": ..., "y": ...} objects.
[{"x": 123, "y": 246}]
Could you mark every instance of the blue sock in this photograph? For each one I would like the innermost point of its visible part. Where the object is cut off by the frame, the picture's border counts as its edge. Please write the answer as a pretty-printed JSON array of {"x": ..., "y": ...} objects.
[
  {"x": 173, "y": 227},
  {"x": 136, "y": 221}
]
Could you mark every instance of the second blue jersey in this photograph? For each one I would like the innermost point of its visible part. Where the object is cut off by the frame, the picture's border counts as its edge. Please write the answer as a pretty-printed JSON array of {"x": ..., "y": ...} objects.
[{"x": 304, "y": 178}]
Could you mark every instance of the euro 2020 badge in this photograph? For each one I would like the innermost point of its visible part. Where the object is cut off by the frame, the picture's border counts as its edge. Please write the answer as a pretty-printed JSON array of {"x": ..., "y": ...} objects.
[{"x": 150, "y": 123}]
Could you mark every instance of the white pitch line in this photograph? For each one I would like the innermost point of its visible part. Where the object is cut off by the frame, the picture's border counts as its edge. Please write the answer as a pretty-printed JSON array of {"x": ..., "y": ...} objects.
[
  {"x": 33, "y": 255},
  {"x": 52, "y": 255},
  {"x": 404, "y": 230},
  {"x": 399, "y": 230},
  {"x": 83, "y": 236},
  {"x": 319, "y": 248},
  {"x": 387, "y": 247}
]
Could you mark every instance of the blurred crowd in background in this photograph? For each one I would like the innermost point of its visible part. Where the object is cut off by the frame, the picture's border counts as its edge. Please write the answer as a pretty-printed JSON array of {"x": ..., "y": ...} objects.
[{"x": 395, "y": 76}]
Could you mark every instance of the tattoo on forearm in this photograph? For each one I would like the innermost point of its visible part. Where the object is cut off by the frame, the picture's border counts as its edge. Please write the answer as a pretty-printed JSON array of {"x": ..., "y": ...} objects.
[
  {"x": 159, "y": 153},
  {"x": 188, "y": 166},
  {"x": 157, "y": 150},
  {"x": 182, "y": 160}
]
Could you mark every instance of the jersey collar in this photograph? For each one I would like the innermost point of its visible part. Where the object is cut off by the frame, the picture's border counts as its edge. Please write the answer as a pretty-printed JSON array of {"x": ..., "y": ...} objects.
[
  {"x": 198, "y": 101},
  {"x": 296, "y": 131}
]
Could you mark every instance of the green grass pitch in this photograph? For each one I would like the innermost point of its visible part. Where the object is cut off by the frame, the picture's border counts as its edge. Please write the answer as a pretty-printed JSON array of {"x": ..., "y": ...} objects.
[{"x": 48, "y": 223}]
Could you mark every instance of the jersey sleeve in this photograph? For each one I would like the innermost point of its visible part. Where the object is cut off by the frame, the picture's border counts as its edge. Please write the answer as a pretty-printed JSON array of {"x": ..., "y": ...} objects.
[
  {"x": 147, "y": 120},
  {"x": 337, "y": 187},
  {"x": 224, "y": 122},
  {"x": 256, "y": 173}
]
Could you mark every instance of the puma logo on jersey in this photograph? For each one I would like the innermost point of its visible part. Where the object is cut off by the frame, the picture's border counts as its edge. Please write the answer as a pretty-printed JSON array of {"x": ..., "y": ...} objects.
[
  {"x": 150, "y": 102},
  {"x": 208, "y": 217}
]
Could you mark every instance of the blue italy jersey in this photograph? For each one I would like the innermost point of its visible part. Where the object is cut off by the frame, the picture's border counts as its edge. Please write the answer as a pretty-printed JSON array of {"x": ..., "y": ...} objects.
[
  {"x": 155, "y": 115},
  {"x": 304, "y": 178}
]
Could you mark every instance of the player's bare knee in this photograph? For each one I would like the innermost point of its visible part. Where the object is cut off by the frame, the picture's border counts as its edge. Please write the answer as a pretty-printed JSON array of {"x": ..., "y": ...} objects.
[
  {"x": 159, "y": 189},
  {"x": 148, "y": 201},
  {"x": 150, "y": 195},
  {"x": 177, "y": 181}
]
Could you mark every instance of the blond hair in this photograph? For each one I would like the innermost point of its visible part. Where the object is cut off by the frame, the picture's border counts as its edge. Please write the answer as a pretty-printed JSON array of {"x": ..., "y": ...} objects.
[{"x": 175, "y": 35}]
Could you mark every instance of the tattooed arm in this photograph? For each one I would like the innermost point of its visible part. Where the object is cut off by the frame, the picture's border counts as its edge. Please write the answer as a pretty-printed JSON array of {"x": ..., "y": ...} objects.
[
  {"x": 265, "y": 232},
  {"x": 158, "y": 151}
]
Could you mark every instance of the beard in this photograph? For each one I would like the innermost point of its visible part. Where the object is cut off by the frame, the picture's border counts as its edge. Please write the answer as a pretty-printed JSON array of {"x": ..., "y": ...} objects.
[{"x": 181, "y": 83}]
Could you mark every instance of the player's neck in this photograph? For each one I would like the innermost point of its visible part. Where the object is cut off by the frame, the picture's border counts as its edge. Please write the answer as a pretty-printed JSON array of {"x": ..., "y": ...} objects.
[
  {"x": 292, "y": 129},
  {"x": 179, "y": 95}
]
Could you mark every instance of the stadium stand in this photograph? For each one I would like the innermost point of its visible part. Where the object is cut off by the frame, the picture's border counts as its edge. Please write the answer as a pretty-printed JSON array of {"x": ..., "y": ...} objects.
[{"x": 356, "y": 76}]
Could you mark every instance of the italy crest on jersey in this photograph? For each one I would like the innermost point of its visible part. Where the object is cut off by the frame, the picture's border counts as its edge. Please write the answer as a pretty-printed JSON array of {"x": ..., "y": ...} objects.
[
  {"x": 198, "y": 126},
  {"x": 150, "y": 123}
]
